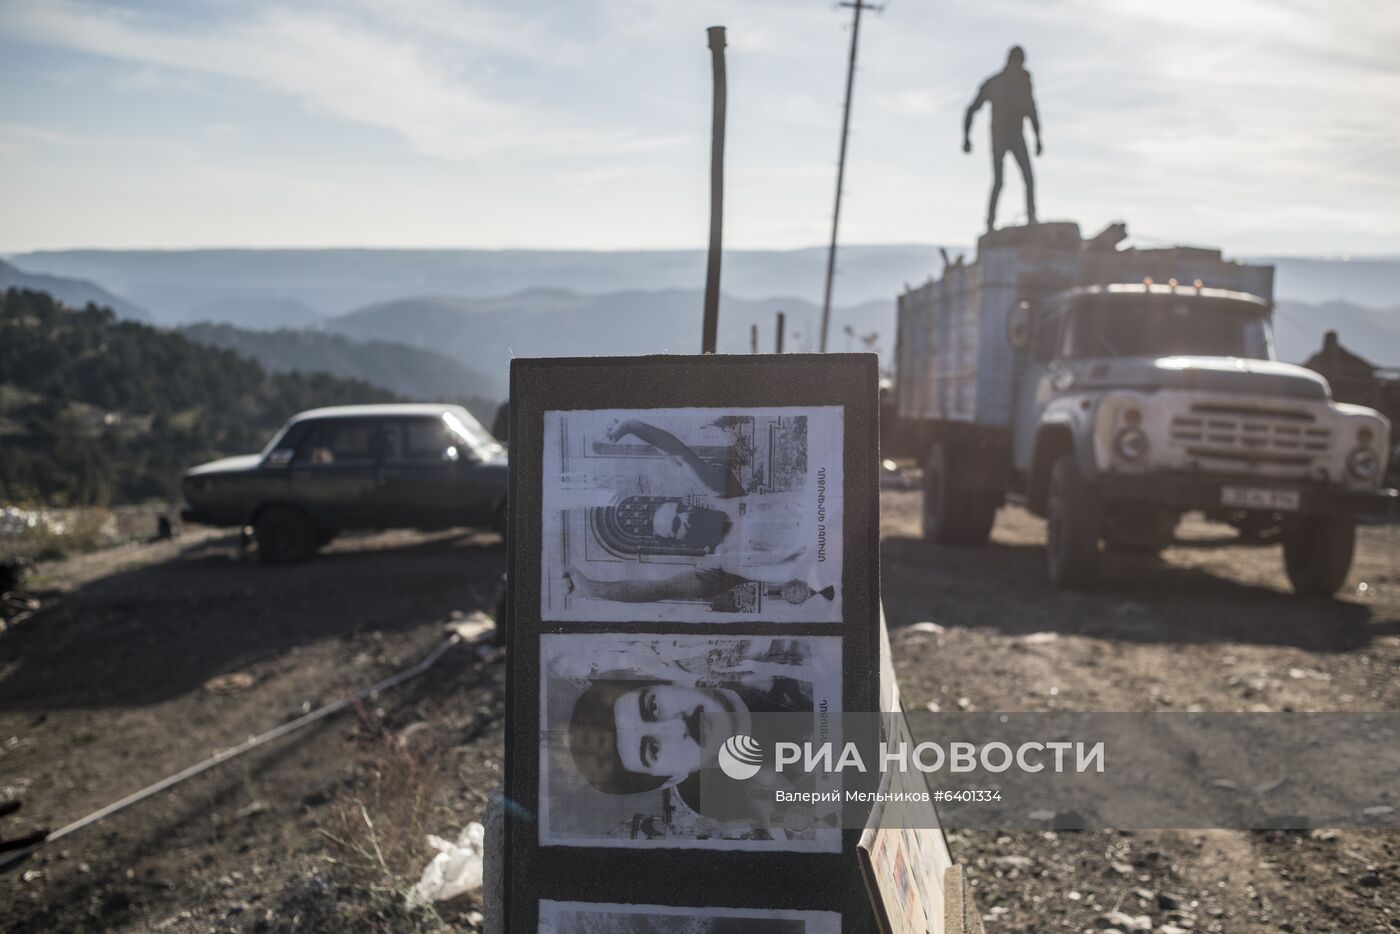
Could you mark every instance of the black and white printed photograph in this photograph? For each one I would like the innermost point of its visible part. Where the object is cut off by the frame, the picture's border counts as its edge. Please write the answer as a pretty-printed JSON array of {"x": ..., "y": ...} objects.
[
  {"x": 586, "y": 918},
  {"x": 634, "y": 728},
  {"x": 692, "y": 515}
]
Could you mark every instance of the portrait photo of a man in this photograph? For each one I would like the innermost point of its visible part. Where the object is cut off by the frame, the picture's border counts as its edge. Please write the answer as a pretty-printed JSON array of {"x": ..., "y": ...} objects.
[
  {"x": 693, "y": 515},
  {"x": 635, "y": 727}
]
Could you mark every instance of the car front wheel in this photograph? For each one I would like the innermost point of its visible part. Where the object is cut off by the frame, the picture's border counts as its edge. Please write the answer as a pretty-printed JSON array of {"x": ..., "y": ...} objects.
[{"x": 285, "y": 535}]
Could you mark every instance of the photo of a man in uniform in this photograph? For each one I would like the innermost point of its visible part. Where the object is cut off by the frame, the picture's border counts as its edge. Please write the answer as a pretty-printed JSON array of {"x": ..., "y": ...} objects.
[{"x": 629, "y": 734}]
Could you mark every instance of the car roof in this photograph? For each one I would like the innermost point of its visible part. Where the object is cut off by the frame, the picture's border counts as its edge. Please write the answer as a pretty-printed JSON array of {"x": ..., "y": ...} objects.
[{"x": 383, "y": 410}]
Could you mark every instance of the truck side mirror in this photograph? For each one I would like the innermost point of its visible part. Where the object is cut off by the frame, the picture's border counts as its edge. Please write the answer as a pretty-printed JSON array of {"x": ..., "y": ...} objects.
[
  {"x": 1018, "y": 326},
  {"x": 281, "y": 457}
]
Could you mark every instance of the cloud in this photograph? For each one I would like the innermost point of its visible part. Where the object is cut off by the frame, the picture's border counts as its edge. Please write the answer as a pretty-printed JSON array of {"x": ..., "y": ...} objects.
[
  {"x": 17, "y": 139},
  {"x": 367, "y": 70}
]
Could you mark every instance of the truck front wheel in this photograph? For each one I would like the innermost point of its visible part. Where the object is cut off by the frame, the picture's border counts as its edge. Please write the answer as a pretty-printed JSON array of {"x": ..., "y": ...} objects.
[
  {"x": 1072, "y": 529},
  {"x": 1317, "y": 553},
  {"x": 954, "y": 515}
]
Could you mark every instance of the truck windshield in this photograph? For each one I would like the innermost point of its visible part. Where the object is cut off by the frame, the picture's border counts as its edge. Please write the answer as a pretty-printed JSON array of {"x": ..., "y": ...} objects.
[{"x": 1128, "y": 328}]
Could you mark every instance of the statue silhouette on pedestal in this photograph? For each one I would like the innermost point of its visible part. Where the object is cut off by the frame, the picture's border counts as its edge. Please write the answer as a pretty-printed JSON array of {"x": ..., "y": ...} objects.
[{"x": 1009, "y": 92}]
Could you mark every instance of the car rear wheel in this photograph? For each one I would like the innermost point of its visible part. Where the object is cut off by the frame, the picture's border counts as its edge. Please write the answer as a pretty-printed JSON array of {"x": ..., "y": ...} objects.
[
  {"x": 1072, "y": 529},
  {"x": 285, "y": 535},
  {"x": 1317, "y": 553}
]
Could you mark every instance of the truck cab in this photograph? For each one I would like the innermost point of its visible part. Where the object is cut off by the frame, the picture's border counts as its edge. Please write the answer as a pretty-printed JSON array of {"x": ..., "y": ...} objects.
[{"x": 1164, "y": 399}]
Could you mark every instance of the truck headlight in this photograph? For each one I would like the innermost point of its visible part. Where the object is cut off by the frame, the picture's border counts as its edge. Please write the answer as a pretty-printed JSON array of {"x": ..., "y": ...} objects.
[
  {"x": 1363, "y": 463},
  {"x": 1130, "y": 444}
]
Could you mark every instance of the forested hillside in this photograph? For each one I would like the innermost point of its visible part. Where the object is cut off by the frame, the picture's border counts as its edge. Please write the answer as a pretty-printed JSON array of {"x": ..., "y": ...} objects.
[
  {"x": 415, "y": 373},
  {"x": 94, "y": 410}
]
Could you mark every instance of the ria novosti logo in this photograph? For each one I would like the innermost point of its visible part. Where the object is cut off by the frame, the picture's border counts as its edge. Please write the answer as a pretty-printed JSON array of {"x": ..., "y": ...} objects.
[{"x": 741, "y": 757}]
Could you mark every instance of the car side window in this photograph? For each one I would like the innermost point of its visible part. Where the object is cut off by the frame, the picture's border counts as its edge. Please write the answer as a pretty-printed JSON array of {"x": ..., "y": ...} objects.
[
  {"x": 339, "y": 441},
  {"x": 426, "y": 439}
]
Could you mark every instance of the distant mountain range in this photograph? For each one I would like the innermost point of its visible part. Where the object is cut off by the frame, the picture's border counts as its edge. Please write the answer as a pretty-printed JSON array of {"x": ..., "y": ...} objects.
[
  {"x": 409, "y": 372},
  {"x": 484, "y": 334},
  {"x": 75, "y": 292},
  {"x": 244, "y": 287},
  {"x": 291, "y": 288},
  {"x": 475, "y": 309}
]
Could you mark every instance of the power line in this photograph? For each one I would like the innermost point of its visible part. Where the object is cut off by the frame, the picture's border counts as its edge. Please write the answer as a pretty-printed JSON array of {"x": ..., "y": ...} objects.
[{"x": 857, "y": 6}]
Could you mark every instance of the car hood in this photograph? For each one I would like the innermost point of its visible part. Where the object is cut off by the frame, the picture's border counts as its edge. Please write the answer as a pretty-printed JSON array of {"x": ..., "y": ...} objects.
[
  {"x": 1211, "y": 374},
  {"x": 240, "y": 464}
]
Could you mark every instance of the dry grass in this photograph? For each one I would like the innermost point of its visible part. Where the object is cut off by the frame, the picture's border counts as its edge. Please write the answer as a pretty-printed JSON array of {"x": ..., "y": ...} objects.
[
  {"x": 376, "y": 833},
  {"x": 61, "y": 534}
]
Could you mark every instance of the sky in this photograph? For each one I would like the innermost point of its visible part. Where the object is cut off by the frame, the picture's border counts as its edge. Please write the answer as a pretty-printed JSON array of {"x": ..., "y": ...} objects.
[{"x": 1264, "y": 126}]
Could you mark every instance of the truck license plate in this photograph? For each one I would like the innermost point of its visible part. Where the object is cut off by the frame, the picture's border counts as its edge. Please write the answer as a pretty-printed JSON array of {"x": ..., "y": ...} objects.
[{"x": 1254, "y": 497}]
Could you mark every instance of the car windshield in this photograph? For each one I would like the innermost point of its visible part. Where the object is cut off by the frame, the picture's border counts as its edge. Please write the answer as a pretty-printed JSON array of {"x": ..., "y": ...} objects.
[
  {"x": 462, "y": 424},
  {"x": 274, "y": 441},
  {"x": 1128, "y": 327}
]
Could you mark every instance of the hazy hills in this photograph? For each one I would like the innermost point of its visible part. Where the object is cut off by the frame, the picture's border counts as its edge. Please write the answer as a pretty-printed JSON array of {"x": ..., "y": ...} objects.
[
  {"x": 477, "y": 308},
  {"x": 75, "y": 292},
  {"x": 98, "y": 410},
  {"x": 484, "y": 334},
  {"x": 243, "y": 286},
  {"x": 409, "y": 372},
  {"x": 290, "y": 288}
]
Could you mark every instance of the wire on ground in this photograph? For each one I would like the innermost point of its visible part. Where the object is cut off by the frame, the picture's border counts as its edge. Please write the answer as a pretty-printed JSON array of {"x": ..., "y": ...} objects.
[{"x": 469, "y": 631}]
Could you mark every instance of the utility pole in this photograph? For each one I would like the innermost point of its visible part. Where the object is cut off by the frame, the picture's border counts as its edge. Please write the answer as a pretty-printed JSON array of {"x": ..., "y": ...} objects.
[
  {"x": 753, "y": 338},
  {"x": 710, "y": 332},
  {"x": 857, "y": 5},
  {"x": 778, "y": 348}
]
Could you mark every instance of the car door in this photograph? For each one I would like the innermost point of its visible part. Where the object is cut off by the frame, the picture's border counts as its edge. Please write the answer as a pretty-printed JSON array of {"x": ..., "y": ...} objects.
[
  {"x": 420, "y": 477},
  {"x": 334, "y": 475}
]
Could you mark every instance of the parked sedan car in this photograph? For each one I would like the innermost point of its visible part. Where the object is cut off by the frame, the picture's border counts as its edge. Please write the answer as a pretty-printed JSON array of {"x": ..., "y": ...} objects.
[{"x": 355, "y": 467}]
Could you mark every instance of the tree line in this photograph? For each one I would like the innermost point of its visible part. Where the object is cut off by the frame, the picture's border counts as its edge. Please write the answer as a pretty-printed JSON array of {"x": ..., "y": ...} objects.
[{"x": 96, "y": 410}]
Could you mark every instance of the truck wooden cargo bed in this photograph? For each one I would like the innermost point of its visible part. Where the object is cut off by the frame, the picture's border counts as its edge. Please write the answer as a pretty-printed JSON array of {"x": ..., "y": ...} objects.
[{"x": 954, "y": 361}]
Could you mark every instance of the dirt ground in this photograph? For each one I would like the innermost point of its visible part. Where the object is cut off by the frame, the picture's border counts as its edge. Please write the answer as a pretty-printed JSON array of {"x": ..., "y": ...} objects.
[
  {"x": 1213, "y": 629},
  {"x": 147, "y": 658}
]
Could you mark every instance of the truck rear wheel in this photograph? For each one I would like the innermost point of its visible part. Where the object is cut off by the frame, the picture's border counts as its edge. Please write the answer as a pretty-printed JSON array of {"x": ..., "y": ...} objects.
[
  {"x": 1072, "y": 527},
  {"x": 1317, "y": 553},
  {"x": 285, "y": 535},
  {"x": 954, "y": 515}
]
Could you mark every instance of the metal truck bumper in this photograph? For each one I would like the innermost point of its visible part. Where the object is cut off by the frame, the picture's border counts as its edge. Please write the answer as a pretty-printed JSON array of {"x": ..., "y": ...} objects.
[{"x": 1184, "y": 492}]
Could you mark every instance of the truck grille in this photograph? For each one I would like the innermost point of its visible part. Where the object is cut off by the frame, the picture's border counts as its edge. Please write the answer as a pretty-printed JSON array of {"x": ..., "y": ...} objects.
[{"x": 1252, "y": 435}]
